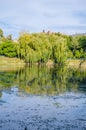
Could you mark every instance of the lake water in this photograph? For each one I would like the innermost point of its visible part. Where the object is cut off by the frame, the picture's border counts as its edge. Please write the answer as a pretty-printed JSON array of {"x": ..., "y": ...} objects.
[{"x": 42, "y": 98}]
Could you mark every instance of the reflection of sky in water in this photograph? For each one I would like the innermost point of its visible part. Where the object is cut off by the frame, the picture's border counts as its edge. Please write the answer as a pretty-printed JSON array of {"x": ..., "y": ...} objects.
[
  {"x": 34, "y": 110},
  {"x": 23, "y": 105}
]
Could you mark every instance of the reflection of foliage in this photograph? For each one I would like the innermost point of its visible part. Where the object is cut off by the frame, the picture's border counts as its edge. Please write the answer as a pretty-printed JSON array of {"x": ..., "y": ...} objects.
[
  {"x": 0, "y": 94},
  {"x": 78, "y": 78},
  {"x": 43, "y": 80},
  {"x": 60, "y": 78},
  {"x": 7, "y": 79}
]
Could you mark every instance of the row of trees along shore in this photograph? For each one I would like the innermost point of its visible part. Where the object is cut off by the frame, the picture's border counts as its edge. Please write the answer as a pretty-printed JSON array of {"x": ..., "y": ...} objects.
[{"x": 44, "y": 46}]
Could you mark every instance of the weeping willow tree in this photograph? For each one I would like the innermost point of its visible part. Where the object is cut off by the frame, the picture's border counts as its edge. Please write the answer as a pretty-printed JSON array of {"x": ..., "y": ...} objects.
[
  {"x": 60, "y": 51},
  {"x": 22, "y": 49},
  {"x": 41, "y": 47}
]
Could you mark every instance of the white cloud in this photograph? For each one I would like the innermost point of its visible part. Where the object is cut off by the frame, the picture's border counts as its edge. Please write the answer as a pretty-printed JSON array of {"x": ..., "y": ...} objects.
[{"x": 35, "y": 15}]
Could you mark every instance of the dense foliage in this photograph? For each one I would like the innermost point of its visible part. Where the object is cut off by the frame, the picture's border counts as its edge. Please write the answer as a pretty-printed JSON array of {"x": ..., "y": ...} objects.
[{"x": 40, "y": 47}]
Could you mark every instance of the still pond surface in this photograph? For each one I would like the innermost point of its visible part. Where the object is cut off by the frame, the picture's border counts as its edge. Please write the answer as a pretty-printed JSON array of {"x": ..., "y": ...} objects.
[{"x": 41, "y": 98}]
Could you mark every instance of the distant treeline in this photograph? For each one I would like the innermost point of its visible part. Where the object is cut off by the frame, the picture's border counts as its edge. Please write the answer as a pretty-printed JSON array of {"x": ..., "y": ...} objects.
[{"x": 40, "y": 47}]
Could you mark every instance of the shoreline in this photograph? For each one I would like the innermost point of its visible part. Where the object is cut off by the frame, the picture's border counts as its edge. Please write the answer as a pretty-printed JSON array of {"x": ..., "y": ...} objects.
[
  {"x": 6, "y": 62},
  {"x": 77, "y": 64}
]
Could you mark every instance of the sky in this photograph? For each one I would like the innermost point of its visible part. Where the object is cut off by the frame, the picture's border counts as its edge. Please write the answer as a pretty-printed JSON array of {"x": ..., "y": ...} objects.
[{"x": 65, "y": 16}]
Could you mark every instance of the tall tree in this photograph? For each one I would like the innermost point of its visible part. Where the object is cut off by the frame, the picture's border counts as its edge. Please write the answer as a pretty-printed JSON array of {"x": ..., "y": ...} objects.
[
  {"x": 60, "y": 51},
  {"x": 24, "y": 40}
]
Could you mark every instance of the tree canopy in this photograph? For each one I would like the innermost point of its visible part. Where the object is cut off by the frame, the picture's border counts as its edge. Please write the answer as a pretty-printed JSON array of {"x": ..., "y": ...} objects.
[{"x": 41, "y": 47}]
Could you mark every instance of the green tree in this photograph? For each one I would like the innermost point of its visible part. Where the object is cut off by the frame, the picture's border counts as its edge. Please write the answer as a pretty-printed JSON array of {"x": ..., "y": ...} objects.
[
  {"x": 23, "y": 41},
  {"x": 9, "y": 37},
  {"x": 60, "y": 51},
  {"x": 1, "y": 33},
  {"x": 8, "y": 49},
  {"x": 82, "y": 42}
]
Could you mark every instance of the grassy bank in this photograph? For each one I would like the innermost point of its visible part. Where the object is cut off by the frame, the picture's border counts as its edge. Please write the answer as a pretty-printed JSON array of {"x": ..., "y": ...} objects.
[
  {"x": 15, "y": 63},
  {"x": 77, "y": 64},
  {"x": 10, "y": 63}
]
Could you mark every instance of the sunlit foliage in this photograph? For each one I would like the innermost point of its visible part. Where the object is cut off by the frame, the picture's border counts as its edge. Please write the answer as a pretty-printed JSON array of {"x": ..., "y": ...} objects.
[{"x": 42, "y": 47}]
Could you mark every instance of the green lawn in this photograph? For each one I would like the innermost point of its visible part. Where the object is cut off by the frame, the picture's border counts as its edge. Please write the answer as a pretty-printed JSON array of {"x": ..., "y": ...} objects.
[
  {"x": 77, "y": 63},
  {"x": 6, "y": 62},
  {"x": 15, "y": 62}
]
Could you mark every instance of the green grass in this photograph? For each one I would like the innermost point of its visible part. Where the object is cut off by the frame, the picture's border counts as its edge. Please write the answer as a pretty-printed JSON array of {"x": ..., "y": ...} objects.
[
  {"x": 77, "y": 63},
  {"x": 6, "y": 62}
]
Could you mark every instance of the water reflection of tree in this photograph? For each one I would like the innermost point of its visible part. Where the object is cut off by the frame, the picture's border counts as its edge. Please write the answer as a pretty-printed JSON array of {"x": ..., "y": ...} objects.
[
  {"x": 79, "y": 79},
  {"x": 7, "y": 79},
  {"x": 59, "y": 78},
  {"x": 44, "y": 80},
  {"x": 36, "y": 81},
  {"x": 0, "y": 94},
  {"x": 50, "y": 81}
]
